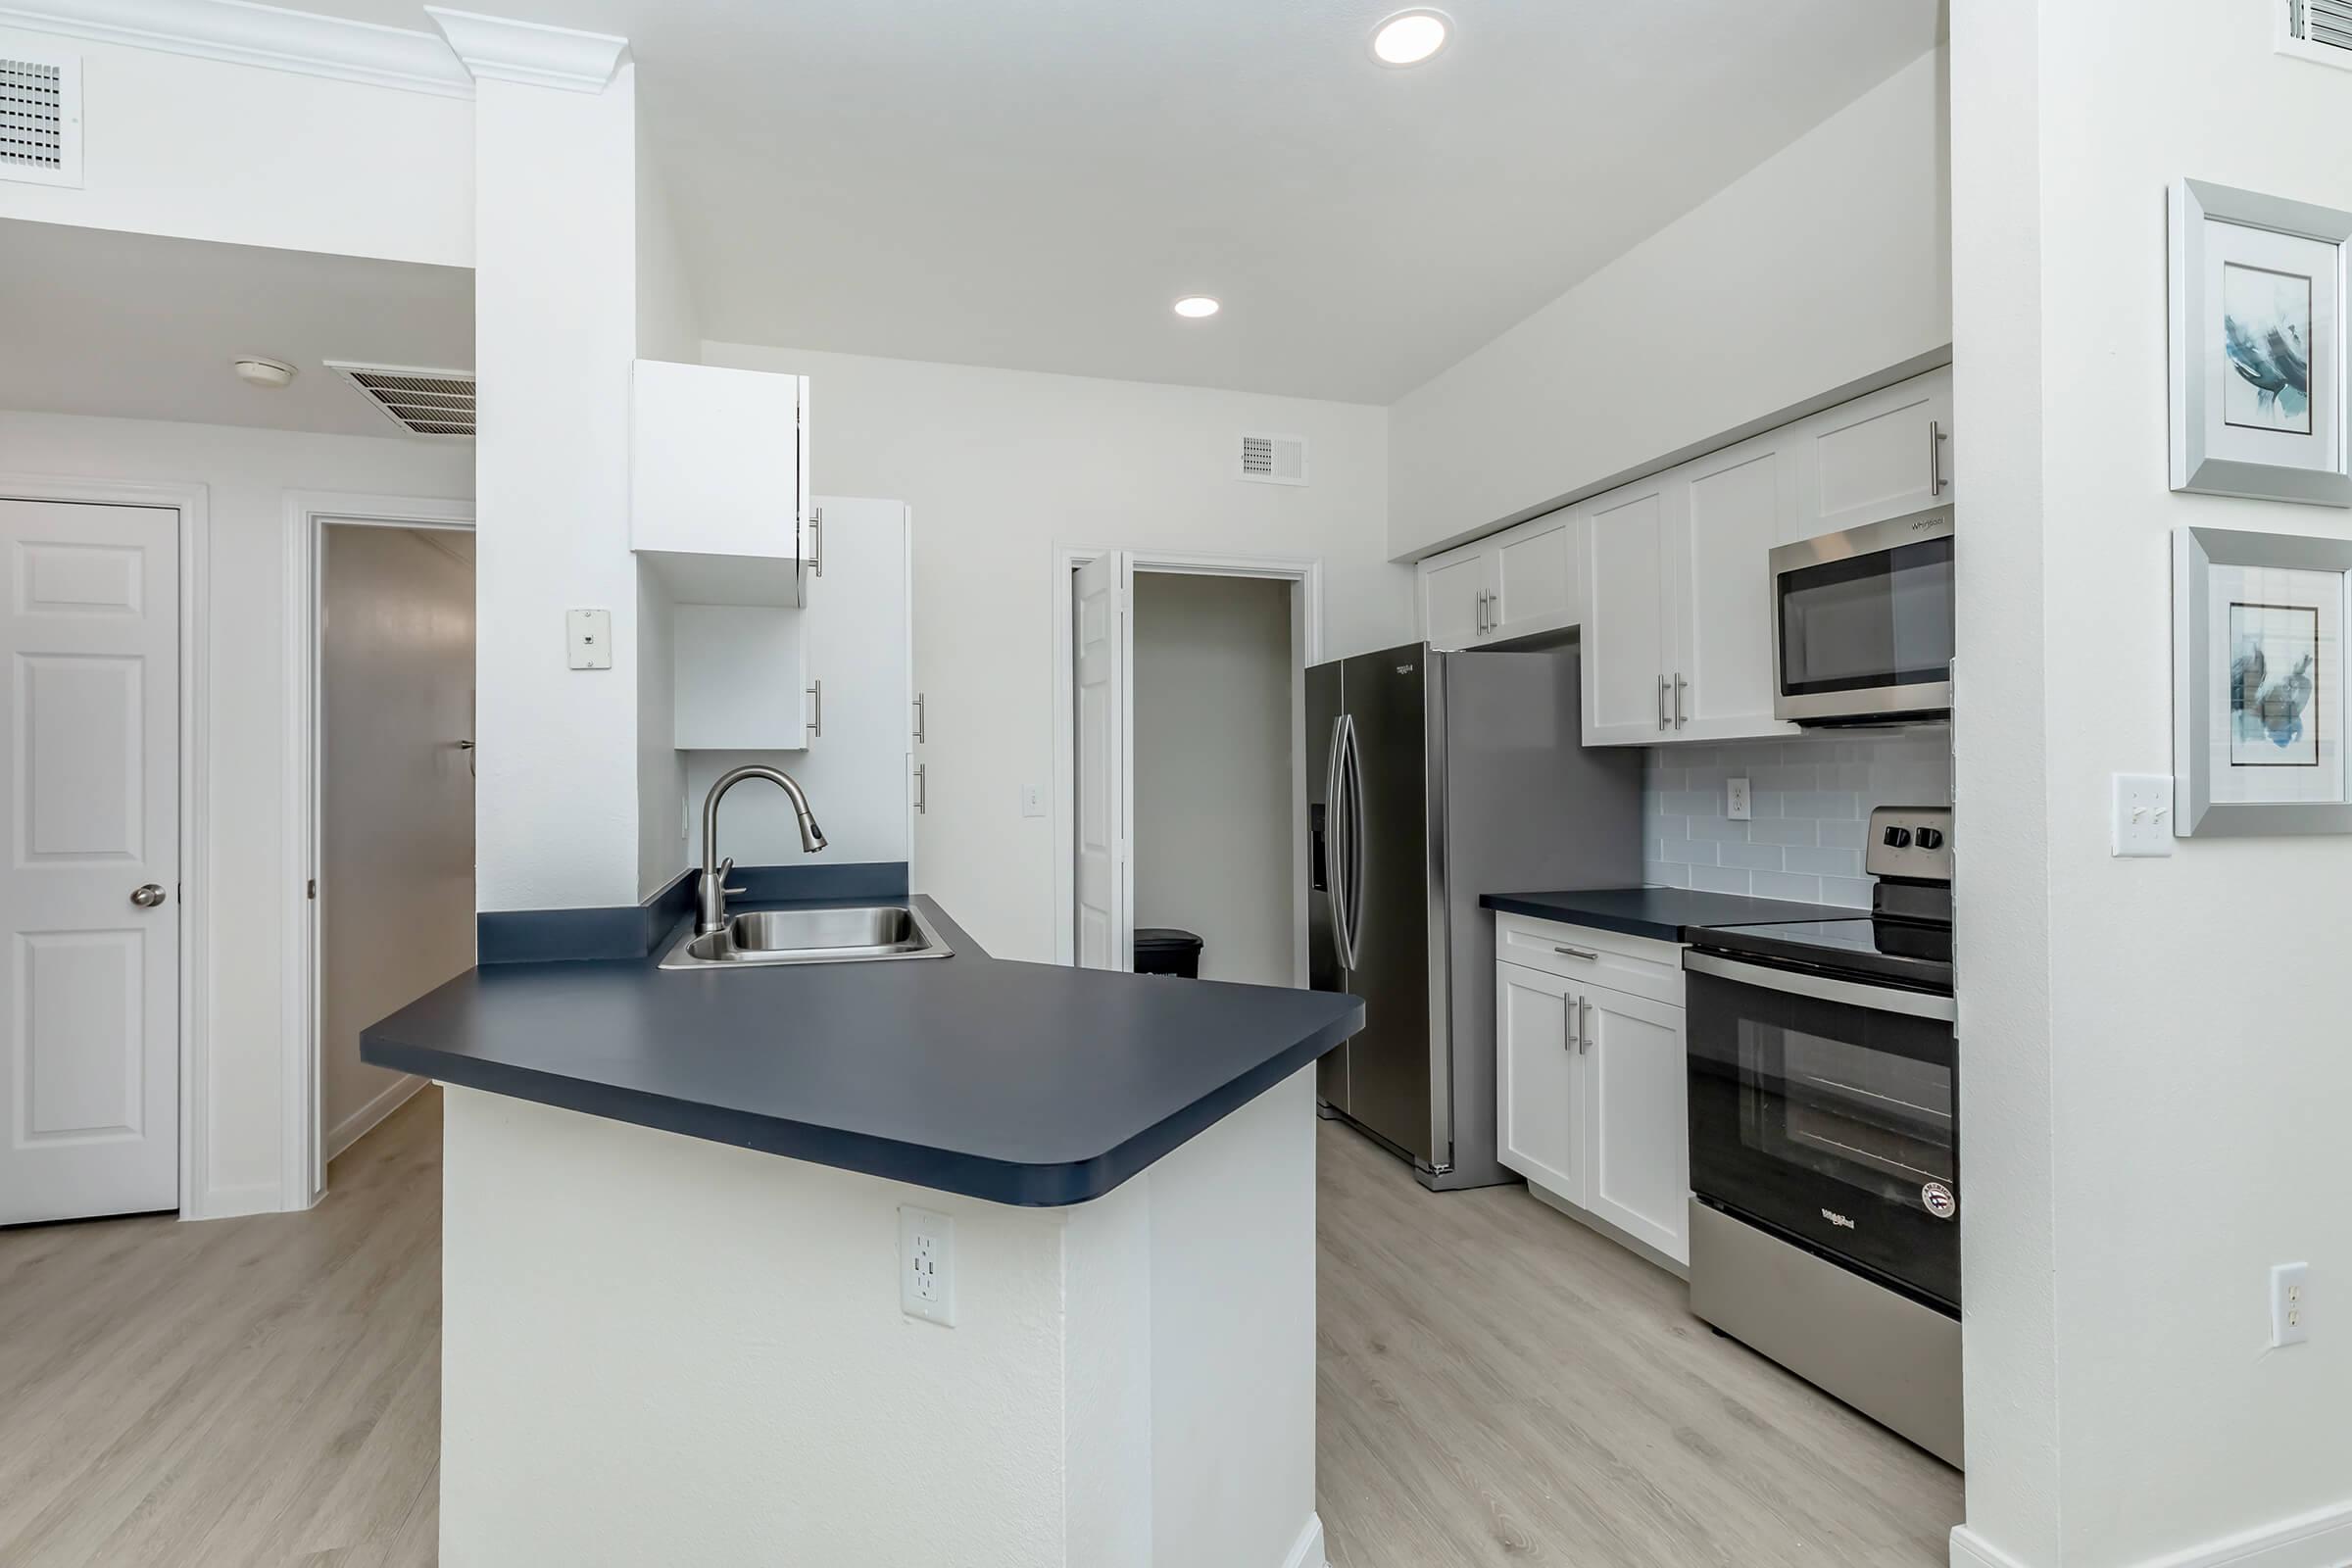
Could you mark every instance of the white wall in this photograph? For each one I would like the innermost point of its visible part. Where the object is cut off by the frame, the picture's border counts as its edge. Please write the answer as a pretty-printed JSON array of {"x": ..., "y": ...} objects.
[
  {"x": 1213, "y": 678},
  {"x": 396, "y": 796},
  {"x": 2155, "y": 1065},
  {"x": 555, "y": 311},
  {"x": 1825, "y": 265},
  {"x": 207, "y": 150},
  {"x": 1003, "y": 465},
  {"x": 247, "y": 473}
]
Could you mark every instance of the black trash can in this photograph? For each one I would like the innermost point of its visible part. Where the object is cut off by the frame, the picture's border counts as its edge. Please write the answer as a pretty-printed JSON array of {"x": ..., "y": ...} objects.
[{"x": 1164, "y": 950}]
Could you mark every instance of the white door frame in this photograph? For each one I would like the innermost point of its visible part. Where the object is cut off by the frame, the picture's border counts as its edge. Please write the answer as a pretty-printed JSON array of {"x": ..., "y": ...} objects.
[
  {"x": 1306, "y": 641},
  {"x": 189, "y": 501},
  {"x": 303, "y": 1143}
]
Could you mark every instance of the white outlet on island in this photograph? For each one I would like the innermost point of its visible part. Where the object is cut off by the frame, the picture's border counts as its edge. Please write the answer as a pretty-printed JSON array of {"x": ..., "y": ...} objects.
[{"x": 927, "y": 1265}]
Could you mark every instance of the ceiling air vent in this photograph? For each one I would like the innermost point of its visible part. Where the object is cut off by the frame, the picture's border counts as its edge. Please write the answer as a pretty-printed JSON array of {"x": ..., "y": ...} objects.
[
  {"x": 40, "y": 117},
  {"x": 2317, "y": 29},
  {"x": 1277, "y": 459},
  {"x": 421, "y": 402}
]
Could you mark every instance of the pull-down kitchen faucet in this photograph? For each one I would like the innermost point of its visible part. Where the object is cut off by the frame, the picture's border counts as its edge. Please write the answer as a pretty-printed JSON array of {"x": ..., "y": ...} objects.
[{"x": 715, "y": 889}]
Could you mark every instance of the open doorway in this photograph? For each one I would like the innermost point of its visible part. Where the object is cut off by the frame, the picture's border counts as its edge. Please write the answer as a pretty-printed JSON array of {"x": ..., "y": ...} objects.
[
  {"x": 1180, "y": 782},
  {"x": 390, "y": 752}
]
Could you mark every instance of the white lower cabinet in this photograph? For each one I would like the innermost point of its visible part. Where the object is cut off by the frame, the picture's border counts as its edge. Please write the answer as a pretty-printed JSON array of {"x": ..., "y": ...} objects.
[{"x": 1592, "y": 1102}]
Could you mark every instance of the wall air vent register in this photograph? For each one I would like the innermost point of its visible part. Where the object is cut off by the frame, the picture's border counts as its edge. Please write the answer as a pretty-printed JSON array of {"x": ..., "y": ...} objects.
[
  {"x": 421, "y": 402},
  {"x": 40, "y": 117},
  {"x": 1273, "y": 459},
  {"x": 2317, "y": 29}
]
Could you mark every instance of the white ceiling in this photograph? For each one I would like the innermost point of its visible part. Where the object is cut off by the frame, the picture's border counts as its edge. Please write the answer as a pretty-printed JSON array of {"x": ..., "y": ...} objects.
[
  {"x": 1030, "y": 183},
  {"x": 144, "y": 327}
]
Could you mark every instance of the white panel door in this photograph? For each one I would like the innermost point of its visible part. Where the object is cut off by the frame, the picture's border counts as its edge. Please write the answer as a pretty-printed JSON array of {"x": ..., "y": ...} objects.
[
  {"x": 1879, "y": 457},
  {"x": 1456, "y": 597},
  {"x": 1739, "y": 501},
  {"x": 1540, "y": 1082},
  {"x": 1537, "y": 566},
  {"x": 1637, "y": 1139},
  {"x": 1104, "y": 639},
  {"x": 89, "y": 989},
  {"x": 1626, "y": 640}
]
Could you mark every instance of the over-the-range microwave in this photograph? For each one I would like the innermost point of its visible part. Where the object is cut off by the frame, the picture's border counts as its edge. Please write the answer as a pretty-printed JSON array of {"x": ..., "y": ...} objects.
[{"x": 1862, "y": 623}]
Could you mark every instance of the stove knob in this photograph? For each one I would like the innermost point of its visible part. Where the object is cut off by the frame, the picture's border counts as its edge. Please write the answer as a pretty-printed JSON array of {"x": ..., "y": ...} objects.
[
  {"x": 1931, "y": 838},
  {"x": 1897, "y": 838}
]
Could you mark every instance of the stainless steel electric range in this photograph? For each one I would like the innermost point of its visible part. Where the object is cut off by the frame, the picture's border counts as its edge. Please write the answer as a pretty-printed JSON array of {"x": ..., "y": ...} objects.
[{"x": 1825, "y": 1153}]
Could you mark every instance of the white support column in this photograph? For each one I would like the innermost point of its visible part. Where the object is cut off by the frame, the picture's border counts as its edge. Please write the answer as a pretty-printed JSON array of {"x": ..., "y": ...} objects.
[{"x": 556, "y": 306}]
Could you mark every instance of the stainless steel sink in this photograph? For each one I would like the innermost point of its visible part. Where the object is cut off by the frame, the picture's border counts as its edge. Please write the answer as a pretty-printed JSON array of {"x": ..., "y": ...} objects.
[{"x": 812, "y": 936}]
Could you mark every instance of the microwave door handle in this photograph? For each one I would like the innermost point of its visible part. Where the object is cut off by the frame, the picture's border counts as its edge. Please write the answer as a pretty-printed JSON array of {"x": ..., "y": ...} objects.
[{"x": 1822, "y": 987}]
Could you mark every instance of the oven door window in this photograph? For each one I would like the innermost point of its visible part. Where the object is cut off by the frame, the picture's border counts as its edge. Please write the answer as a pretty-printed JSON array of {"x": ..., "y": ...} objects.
[
  {"x": 1829, "y": 1120},
  {"x": 1884, "y": 619}
]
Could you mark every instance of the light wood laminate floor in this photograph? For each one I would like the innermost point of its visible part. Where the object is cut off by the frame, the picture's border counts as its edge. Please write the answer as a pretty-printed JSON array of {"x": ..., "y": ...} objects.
[{"x": 1497, "y": 1385}]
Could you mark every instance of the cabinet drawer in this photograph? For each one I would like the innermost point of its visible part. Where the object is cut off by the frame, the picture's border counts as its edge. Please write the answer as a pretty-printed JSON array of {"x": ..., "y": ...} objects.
[{"x": 1639, "y": 965}]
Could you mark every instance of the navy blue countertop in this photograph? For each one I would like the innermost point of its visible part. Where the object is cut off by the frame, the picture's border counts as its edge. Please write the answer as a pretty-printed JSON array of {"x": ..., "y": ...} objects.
[
  {"x": 1669, "y": 914},
  {"x": 1021, "y": 1083}
]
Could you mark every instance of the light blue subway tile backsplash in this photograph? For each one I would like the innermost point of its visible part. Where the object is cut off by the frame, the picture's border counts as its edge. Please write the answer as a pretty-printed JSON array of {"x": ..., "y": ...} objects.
[{"x": 1809, "y": 796}]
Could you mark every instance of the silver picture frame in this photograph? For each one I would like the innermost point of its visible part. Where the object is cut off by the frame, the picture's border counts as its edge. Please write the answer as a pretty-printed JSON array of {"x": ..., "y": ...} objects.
[
  {"x": 2201, "y": 807},
  {"x": 2219, "y": 234}
]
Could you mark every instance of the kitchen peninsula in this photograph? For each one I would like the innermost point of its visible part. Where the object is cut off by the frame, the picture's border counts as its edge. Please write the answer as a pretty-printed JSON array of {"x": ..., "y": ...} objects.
[{"x": 679, "y": 1213}]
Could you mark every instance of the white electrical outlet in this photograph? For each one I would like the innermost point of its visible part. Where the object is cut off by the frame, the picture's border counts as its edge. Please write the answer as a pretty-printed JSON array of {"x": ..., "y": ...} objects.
[
  {"x": 2290, "y": 1304},
  {"x": 927, "y": 1265},
  {"x": 2143, "y": 813},
  {"x": 1735, "y": 804},
  {"x": 588, "y": 635}
]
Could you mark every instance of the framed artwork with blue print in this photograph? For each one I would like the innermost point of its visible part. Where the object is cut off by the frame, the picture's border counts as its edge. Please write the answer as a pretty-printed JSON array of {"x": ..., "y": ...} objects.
[
  {"x": 2259, "y": 704},
  {"x": 2258, "y": 344}
]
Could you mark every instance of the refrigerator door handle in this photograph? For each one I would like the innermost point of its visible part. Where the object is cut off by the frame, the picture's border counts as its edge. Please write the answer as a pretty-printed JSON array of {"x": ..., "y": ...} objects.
[
  {"x": 1335, "y": 813},
  {"x": 1356, "y": 845}
]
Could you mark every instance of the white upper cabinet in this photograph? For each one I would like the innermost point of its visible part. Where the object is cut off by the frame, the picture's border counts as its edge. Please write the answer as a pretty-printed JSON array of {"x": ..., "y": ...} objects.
[
  {"x": 1719, "y": 580},
  {"x": 1629, "y": 636},
  {"x": 719, "y": 481},
  {"x": 1877, "y": 457},
  {"x": 1457, "y": 590},
  {"x": 1538, "y": 576},
  {"x": 1522, "y": 582}
]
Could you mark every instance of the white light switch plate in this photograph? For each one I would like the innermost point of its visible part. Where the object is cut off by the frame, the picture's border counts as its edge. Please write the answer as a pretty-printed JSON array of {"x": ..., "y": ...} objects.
[
  {"x": 588, "y": 634},
  {"x": 2143, "y": 813},
  {"x": 1033, "y": 799}
]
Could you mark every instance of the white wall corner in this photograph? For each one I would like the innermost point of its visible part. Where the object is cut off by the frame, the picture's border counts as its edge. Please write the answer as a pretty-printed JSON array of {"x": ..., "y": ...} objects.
[
  {"x": 1308, "y": 1553},
  {"x": 247, "y": 34},
  {"x": 498, "y": 49}
]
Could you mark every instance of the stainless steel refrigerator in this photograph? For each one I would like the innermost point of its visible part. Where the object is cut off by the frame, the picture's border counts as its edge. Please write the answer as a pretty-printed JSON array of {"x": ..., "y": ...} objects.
[{"x": 1433, "y": 778}]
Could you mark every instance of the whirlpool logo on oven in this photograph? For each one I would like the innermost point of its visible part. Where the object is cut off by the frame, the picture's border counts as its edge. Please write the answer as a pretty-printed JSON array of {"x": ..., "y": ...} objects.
[{"x": 1836, "y": 1219}]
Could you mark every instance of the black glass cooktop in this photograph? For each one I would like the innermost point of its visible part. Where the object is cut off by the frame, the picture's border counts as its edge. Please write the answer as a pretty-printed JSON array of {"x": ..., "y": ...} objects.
[{"x": 1916, "y": 955}]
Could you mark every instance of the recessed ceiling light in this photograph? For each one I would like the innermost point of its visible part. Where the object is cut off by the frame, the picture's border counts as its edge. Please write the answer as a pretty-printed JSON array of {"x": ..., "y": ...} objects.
[
  {"x": 272, "y": 373},
  {"x": 1410, "y": 36},
  {"x": 1194, "y": 307}
]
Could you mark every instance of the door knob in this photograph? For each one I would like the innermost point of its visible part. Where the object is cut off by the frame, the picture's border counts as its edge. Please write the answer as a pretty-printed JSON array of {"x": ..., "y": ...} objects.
[{"x": 148, "y": 897}]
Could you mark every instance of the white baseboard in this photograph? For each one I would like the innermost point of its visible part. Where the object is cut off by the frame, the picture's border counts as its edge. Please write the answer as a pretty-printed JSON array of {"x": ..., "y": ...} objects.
[
  {"x": 233, "y": 1202},
  {"x": 361, "y": 1123},
  {"x": 1309, "y": 1551},
  {"x": 2320, "y": 1539}
]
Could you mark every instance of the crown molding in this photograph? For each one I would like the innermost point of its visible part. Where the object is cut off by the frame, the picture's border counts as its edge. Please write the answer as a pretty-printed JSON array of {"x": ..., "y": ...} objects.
[
  {"x": 247, "y": 34},
  {"x": 497, "y": 49}
]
